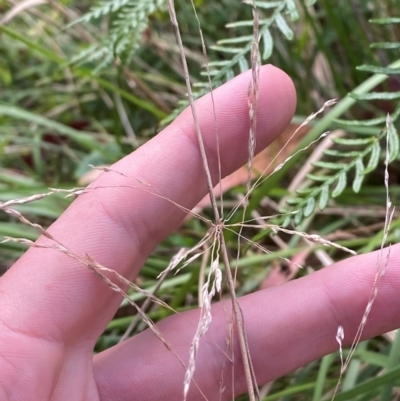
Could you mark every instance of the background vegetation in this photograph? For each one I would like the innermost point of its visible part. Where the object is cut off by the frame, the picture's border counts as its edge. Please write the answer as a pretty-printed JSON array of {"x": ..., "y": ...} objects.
[{"x": 91, "y": 92}]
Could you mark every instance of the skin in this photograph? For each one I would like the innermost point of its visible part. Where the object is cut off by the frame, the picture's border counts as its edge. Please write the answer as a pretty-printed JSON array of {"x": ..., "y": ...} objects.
[{"x": 53, "y": 309}]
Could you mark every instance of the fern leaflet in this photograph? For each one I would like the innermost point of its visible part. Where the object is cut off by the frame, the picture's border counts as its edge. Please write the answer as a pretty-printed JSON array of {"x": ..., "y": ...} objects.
[{"x": 332, "y": 177}]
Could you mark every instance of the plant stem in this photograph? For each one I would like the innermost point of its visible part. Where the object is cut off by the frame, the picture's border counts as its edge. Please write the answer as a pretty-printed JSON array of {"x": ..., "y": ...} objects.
[{"x": 236, "y": 307}]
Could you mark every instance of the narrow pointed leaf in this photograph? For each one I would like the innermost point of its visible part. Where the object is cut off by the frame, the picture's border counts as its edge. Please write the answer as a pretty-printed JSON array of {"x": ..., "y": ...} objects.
[
  {"x": 268, "y": 44},
  {"x": 264, "y": 4},
  {"x": 379, "y": 70},
  {"x": 359, "y": 175},
  {"x": 239, "y": 24},
  {"x": 338, "y": 153},
  {"x": 324, "y": 196},
  {"x": 239, "y": 39},
  {"x": 317, "y": 178},
  {"x": 224, "y": 49},
  {"x": 243, "y": 64},
  {"x": 385, "y": 45},
  {"x": 393, "y": 142},
  {"x": 309, "y": 208},
  {"x": 376, "y": 96},
  {"x": 221, "y": 63},
  {"x": 86, "y": 139},
  {"x": 329, "y": 165},
  {"x": 304, "y": 191},
  {"x": 229, "y": 75},
  {"x": 284, "y": 28},
  {"x": 340, "y": 185},
  {"x": 353, "y": 142},
  {"x": 384, "y": 21},
  {"x": 287, "y": 221},
  {"x": 374, "y": 157},
  {"x": 360, "y": 123},
  {"x": 294, "y": 201},
  {"x": 298, "y": 217},
  {"x": 292, "y": 10}
]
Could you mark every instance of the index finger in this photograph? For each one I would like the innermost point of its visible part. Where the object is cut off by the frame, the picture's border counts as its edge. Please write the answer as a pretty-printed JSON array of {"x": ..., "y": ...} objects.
[{"x": 118, "y": 226}]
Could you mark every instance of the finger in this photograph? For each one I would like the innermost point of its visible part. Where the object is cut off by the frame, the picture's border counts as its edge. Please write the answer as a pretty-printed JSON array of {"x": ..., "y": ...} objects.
[
  {"x": 287, "y": 327},
  {"x": 120, "y": 221}
]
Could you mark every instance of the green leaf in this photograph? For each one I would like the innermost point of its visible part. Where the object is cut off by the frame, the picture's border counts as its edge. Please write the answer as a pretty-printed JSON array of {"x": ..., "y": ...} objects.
[
  {"x": 264, "y": 4},
  {"x": 318, "y": 178},
  {"x": 294, "y": 201},
  {"x": 243, "y": 64},
  {"x": 18, "y": 230},
  {"x": 338, "y": 153},
  {"x": 238, "y": 24},
  {"x": 393, "y": 138},
  {"x": 309, "y": 208},
  {"x": 374, "y": 358},
  {"x": 385, "y": 45},
  {"x": 224, "y": 49},
  {"x": 229, "y": 75},
  {"x": 85, "y": 139},
  {"x": 353, "y": 142},
  {"x": 298, "y": 217},
  {"x": 370, "y": 385},
  {"x": 376, "y": 96},
  {"x": 292, "y": 10},
  {"x": 374, "y": 158},
  {"x": 329, "y": 165},
  {"x": 239, "y": 39},
  {"x": 17, "y": 180},
  {"x": 284, "y": 27},
  {"x": 359, "y": 175},
  {"x": 221, "y": 63},
  {"x": 341, "y": 184},
  {"x": 379, "y": 70},
  {"x": 324, "y": 196},
  {"x": 304, "y": 191},
  {"x": 287, "y": 221},
  {"x": 268, "y": 43},
  {"x": 360, "y": 123},
  {"x": 384, "y": 21}
]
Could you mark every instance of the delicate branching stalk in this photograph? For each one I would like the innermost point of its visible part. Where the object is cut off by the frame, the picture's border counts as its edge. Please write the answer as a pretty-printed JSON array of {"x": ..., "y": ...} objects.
[
  {"x": 86, "y": 260},
  {"x": 310, "y": 237},
  {"x": 218, "y": 223},
  {"x": 174, "y": 21},
  {"x": 147, "y": 302},
  {"x": 216, "y": 130}
]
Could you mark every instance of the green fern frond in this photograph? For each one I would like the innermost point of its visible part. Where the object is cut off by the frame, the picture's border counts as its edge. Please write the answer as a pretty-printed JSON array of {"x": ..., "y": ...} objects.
[
  {"x": 272, "y": 13},
  {"x": 128, "y": 20},
  {"x": 358, "y": 155},
  {"x": 103, "y": 9}
]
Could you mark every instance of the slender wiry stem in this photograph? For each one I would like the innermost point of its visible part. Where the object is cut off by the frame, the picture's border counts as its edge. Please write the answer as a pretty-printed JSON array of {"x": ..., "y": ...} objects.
[
  {"x": 210, "y": 85},
  {"x": 210, "y": 186},
  {"x": 237, "y": 311},
  {"x": 236, "y": 308}
]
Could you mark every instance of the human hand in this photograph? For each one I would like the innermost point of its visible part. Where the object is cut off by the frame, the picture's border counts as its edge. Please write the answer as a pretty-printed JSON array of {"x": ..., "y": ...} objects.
[{"x": 53, "y": 309}]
